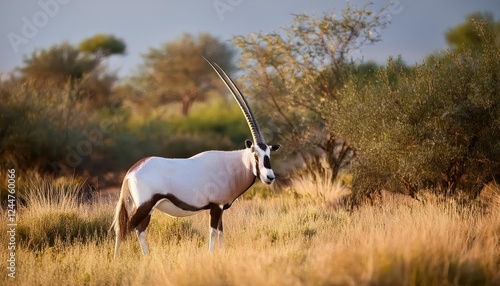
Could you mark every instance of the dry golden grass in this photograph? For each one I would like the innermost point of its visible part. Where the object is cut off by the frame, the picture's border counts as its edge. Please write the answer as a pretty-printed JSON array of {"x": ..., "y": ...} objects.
[{"x": 277, "y": 241}]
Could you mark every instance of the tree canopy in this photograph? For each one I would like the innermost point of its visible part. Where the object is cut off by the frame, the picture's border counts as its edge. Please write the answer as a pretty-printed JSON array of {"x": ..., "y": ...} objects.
[
  {"x": 432, "y": 126},
  {"x": 58, "y": 63},
  {"x": 465, "y": 36},
  {"x": 295, "y": 75},
  {"x": 102, "y": 45},
  {"x": 177, "y": 72},
  {"x": 64, "y": 64}
]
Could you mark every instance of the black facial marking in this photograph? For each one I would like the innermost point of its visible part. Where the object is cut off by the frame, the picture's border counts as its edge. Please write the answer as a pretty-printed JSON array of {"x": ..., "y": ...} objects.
[
  {"x": 262, "y": 146},
  {"x": 267, "y": 162}
]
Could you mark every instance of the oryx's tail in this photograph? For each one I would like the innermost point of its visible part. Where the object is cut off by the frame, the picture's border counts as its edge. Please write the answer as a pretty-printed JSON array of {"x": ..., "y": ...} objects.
[{"x": 121, "y": 220}]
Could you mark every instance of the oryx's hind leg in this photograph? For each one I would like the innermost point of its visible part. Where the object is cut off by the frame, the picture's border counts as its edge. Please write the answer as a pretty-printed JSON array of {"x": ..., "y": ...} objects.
[
  {"x": 140, "y": 221},
  {"x": 215, "y": 225},
  {"x": 141, "y": 234},
  {"x": 117, "y": 244},
  {"x": 219, "y": 230}
]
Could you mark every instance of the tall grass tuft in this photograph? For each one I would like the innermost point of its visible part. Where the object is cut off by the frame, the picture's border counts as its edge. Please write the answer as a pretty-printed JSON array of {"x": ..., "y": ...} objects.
[
  {"x": 53, "y": 212},
  {"x": 320, "y": 187},
  {"x": 42, "y": 193}
]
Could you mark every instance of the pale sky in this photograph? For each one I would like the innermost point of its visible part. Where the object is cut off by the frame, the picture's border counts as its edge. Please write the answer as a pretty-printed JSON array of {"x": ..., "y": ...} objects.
[{"x": 416, "y": 30}]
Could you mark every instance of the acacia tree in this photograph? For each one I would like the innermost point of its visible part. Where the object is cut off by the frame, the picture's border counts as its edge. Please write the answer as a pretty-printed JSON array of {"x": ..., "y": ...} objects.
[
  {"x": 80, "y": 68},
  {"x": 177, "y": 72},
  {"x": 295, "y": 75},
  {"x": 102, "y": 45},
  {"x": 99, "y": 83},
  {"x": 58, "y": 64}
]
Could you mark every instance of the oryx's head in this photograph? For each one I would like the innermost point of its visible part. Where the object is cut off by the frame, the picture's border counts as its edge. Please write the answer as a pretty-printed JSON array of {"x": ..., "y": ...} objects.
[{"x": 261, "y": 165}]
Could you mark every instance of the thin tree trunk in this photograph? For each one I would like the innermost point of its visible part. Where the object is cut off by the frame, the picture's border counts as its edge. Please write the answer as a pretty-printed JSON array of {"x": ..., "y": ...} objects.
[
  {"x": 337, "y": 157},
  {"x": 187, "y": 102}
]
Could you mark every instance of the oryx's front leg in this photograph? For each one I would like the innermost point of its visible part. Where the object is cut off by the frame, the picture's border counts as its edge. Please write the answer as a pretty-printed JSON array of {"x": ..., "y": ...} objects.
[{"x": 215, "y": 225}]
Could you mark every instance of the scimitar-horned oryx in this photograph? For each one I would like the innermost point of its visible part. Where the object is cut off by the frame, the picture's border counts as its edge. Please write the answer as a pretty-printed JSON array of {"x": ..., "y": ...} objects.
[{"x": 210, "y": 180}]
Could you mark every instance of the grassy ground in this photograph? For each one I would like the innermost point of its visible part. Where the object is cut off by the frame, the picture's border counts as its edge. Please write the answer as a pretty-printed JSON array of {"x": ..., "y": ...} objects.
[{"x": 280, "y": 240}]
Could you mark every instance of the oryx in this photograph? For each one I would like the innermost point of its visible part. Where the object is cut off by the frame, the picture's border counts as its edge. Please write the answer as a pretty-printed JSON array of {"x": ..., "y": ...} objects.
[{"x": 211, "y": 180}]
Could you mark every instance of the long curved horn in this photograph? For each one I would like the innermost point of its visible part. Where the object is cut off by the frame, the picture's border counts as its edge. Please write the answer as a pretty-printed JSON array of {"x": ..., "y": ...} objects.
[{"x": 242, "y": 102}]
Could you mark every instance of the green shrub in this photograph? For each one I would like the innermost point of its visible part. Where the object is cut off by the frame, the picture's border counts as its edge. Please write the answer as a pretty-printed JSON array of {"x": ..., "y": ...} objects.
[
  {"x": 50, "y": 129},
  {"x": 37, "y": 124},
  {"x": 435, "y": 126},
  {"x": 209, "y": 126},
  {"x": 220, "y": 118}
]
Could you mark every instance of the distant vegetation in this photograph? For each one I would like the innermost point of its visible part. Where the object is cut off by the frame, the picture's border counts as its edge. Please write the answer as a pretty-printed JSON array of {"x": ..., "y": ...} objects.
[
  {"x": 433, "y": 125},
  {"x": 430, "y": 126},
  {"x": 65, "y": 114}
]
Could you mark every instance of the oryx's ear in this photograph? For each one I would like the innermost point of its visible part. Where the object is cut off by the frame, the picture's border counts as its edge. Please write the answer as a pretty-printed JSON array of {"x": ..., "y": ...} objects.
[
  {"x": 248, "y": 143},
  {"x": 275, "y": 147}
]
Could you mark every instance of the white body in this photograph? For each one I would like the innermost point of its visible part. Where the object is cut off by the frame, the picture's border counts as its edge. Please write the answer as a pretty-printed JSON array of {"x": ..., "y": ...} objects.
[{"x": 210, "y": 177}]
